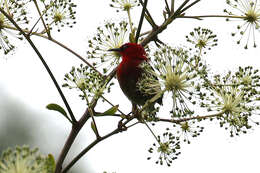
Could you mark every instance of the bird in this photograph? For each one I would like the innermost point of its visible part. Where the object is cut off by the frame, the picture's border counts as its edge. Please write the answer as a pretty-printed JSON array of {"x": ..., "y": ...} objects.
[{"x": 129, "y": 72}]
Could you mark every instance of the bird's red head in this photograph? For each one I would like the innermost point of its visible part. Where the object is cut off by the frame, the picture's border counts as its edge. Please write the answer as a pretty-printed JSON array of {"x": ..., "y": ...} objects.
[{"x": 131, "y": 51}]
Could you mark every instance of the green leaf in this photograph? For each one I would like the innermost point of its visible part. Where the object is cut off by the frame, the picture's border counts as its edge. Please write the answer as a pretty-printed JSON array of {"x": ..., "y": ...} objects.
[
  {"x": 58, "y": 108},
  {"x": 110, "y": 111}
]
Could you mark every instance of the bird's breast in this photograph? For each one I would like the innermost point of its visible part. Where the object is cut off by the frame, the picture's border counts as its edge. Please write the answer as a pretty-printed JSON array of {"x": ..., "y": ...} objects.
[{"x": 128, "y": 76}]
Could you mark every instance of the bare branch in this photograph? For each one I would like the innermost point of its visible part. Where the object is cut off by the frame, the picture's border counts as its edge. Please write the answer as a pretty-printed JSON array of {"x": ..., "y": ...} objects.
[
  {"x": 141, "y": 21},
  {"x": 45, "y": 26},
  {"x": 84, "y": 151},
  {"x": 191, "y": 118},
  {"x": 43, "y": 62}
]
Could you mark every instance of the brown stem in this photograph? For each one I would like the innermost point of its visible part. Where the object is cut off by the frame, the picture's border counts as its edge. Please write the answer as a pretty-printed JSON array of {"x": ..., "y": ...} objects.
[
  {"x": 72, "y": 136},
  {"x": 209, "y": 16},
  {"x": 141, "y": 21},
  {"x": 45, "y": 26},
  {"x": 84, "y": 151},
  {"x": 78, "y": 125},
  {"x": 157, "y": 30},
  {"x": 27, "y": 37},
  {"x": 60, "y": 44},
  {"x": 191, "y": 118},
  {"x": 148, "y": 16}
]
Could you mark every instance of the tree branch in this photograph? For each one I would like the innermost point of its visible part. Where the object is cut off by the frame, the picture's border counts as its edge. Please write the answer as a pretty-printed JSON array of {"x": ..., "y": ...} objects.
[
  {"x": 191, "y": 118},
  {"x": 58, "y": 43},
  {"x": 84, "y": 151},
  {"x": 148, "y": 16},
  {"x": 153, "y": 35},
  {"x": 45, "y": 26},
  {"x": 190, "y": 5},
  {"x": 43, "y": 62},
  {"x": 208, "y": 16},
  {"x": 141, "y": 21},
  {"x": 76, "y": 127}
]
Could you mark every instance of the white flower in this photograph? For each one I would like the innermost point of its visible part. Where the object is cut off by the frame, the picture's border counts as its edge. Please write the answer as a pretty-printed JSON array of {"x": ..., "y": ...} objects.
[
  {"x": 167, "y": 148},
  {"x": 61, "y": 13},
  {"x": 178, "y": 74},
  {"x": 235, "y": 97},
  {"x": 18, "y": 13},
  {"x": 202, "y": 38},
  {"x": 124, "y": 5},
  {"x": 107, "y": 37},
  {"x": 249, "y": 11},
  {"x": 188, "y": 129},
  {"x": 87, "y": 80},
  {"x": 230, "y": 100}
]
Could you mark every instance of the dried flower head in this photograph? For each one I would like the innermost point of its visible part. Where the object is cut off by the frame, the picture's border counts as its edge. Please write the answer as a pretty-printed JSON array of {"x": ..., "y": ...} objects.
[
  {"x": 110, "y": 36},
  {"x": 60, "y": 13},
  {"x": 249, "y": 11},
  {"x": 167, "y": 148},
  {"x": 179, "y": 74},
  {"x": 24, "y": 160},
  {"x": 202, "y": 38},
  {"x": 124, "y": 5},
  {"x": 15, "y": 9}
]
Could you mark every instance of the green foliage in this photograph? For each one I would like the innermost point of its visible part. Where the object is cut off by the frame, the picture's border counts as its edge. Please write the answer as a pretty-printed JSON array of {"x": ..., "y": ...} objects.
[
  {"x": 110, "y": 111},
  {"x": 58, "y": 108},
  {"x": 111, "y": 35},
  {"x": 248, "y": 11}
]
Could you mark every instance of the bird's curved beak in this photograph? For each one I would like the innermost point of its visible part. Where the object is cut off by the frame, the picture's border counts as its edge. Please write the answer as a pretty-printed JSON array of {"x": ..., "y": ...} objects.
[{"x": 115, "y": 49}]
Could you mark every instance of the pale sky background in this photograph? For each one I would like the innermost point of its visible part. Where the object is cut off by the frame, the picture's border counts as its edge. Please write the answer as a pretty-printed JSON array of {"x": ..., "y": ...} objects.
[{"x": 26, "y": 87}]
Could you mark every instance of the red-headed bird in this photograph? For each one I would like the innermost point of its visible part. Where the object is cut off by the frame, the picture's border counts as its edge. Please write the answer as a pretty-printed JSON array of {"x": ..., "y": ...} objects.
[{"x": 130, "y": 71}]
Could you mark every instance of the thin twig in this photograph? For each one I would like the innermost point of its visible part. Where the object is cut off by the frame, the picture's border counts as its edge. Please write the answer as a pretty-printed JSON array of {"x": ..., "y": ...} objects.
[
  {"x": 45, "y": 26},
  {"x": 43, "y": 62},
  {"x": 145, "y": 33},
  {"x": 163, "y": 26},
  {"x": 77, "y": 55},
  {"x": 111, "y": 104},
  {"x": 76, "y": 127},
  {"x": 190, "y": 5},
  {"x": 207, "y": 16},
  {"x": 29, "y": 33},
  {"x": 191, "y": 118},
  {"x": 152, "y": 132},
  {"x": 167, "y": 7},
  {"x": 148, "y": 16},
  {"x": 178, "y": 11},
  {"x": 60, "y": 44},
  {"x": 172, "y": 6},
  {"x": 84, "y": 151},
  {"x": 141, "y": 21}
]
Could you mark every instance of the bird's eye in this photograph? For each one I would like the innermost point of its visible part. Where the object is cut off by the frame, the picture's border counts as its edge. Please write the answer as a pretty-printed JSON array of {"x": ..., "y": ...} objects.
[{"x": 124, "y": 47}]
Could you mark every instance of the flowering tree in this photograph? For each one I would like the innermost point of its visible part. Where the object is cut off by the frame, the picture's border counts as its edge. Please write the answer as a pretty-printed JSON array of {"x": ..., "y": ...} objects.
[{"x": 185, "y": 80}]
